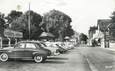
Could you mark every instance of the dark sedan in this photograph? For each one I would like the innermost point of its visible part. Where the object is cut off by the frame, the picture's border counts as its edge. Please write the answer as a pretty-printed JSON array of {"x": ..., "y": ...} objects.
[{"x": 25, "y": 50}]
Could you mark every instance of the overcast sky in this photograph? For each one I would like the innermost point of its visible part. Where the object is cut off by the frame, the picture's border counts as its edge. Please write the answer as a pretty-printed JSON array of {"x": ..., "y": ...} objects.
[{"x": 84, "y": 13}]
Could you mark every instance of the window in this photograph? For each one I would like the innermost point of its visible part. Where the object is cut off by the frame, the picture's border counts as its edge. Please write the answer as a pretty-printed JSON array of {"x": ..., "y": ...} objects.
[
  {"x": 30, "y": 45},
  {"x": 38, "y": 45},
  {"x": 43, "y": 45},
  {"x": 20, "y": 45}
]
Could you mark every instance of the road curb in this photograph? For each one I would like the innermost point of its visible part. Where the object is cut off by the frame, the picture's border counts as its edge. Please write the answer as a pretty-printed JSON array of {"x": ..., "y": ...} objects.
[{"x": 112, "y": 49}]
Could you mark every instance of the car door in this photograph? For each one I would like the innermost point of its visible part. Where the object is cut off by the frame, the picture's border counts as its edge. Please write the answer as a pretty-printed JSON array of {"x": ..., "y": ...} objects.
[
  {"x": 18, "y": 51},
  {"x": 30, "y": 49}
]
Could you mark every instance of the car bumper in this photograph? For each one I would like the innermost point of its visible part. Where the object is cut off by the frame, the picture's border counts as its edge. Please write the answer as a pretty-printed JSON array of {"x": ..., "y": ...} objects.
[{"x": 55, "y": 53}]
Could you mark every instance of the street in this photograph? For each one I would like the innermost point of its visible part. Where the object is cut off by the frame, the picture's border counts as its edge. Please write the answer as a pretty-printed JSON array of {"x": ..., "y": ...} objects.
[
  {"x": 78, "y": 59},
  {"x": 57, "y": 35}
]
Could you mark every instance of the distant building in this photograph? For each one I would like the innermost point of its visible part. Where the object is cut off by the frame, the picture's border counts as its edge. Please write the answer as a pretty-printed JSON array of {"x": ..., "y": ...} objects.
[
  {"x": 103, "y": 24},
  {"x": 75, "y": 38},
  {"x": 111, "y": 29},
  {"x": 91, "y": 33},
  {"x": 102, "y": 32}
]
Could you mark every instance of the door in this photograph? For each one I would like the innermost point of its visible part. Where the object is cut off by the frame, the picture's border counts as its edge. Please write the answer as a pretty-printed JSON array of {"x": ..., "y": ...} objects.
[
  {"x": 29, "y": 49},
  {"x": 18, "y": 51}
]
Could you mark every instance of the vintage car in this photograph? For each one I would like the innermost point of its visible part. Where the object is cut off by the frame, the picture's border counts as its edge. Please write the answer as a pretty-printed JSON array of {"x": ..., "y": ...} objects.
[
  {"x": 54, "y": 51},
  {"x": 61, "y": 49},
  {"x": 25, "y": 50}
]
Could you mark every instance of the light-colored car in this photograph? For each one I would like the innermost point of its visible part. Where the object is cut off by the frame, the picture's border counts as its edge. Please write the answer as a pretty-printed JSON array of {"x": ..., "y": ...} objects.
[
  {"x": 54, "y": 50},
  {"x": 60, "y": 48}
]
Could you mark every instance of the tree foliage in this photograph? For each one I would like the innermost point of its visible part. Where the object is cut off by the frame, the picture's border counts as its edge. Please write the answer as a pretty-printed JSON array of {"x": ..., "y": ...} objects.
[
  {"x": 21, "y": 24},
  {"x": 113, "y": 17},
  {"x": 69, "y": 31},
  {"x": 13, "y": 15},
  {"x": 2, "y": 22},
  {"x": 83, "y": 37},
  {"x": 112, "y": 27},
  {"x": 56, "y": 23}
]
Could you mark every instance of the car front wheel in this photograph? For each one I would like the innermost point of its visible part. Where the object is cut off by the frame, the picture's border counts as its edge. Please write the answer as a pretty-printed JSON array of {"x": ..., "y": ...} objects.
[
  {"x": 3, "y": 57},
  {"x": 39, "y": 58}
]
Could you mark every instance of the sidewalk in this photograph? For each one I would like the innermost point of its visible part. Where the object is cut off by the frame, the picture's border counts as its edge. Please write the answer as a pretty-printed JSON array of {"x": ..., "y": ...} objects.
[
  {"x": 110, "y": 48},
  {"x": 113, "y": 49},
  {"x": 82, "y": 45}
]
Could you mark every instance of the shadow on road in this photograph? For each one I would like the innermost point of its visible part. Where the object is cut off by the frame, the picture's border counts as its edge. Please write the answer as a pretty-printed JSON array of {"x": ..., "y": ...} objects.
[
  {"x": 54, "y": 62},
  {"x": 11, "y": 65},
  {"x": 17, "y": 62},
  {"x": 58, "y": 58}
]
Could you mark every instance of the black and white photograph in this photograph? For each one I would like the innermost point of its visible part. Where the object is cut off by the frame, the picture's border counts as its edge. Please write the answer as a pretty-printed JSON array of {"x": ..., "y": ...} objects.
[{"x": 57, "y": 35}]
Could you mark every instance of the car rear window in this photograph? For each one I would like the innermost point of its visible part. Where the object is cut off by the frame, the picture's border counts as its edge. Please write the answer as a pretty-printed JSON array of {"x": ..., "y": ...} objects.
[
  {"x": 30, "y": 45},
  {"x": 20, "y": 45}
]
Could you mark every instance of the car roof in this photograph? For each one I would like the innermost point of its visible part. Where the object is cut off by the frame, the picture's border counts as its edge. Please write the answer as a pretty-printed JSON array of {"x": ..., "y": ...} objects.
[{"x": 29, "y": 42}]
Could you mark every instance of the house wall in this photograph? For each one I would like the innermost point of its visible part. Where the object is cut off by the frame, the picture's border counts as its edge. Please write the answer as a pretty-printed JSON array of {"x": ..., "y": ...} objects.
[{"x": 102, "y": 43}]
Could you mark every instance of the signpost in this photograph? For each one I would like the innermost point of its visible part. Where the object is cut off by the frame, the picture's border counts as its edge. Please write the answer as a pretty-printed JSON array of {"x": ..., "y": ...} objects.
[
  {"x": 8, "y": 33},
  {"x": 12, "y": 34}
]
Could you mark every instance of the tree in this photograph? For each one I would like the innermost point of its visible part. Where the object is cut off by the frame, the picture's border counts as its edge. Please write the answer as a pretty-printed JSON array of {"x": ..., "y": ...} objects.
[
  {"x": 69, "y": 31},
  {"x": 56, "y": 23},
  {"x": 21, "y": 24},
  {"x": 2, "y": 22},
  {"x": 112, "y": 27},
  {"x": 113, "y": 17},
  {"x": 83, "y": 37},
  {"x": 13, "y": 15}
]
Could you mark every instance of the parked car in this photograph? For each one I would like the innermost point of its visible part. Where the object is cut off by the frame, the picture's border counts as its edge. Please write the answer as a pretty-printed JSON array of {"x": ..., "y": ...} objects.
[
  {"x": 61, "y": 49},
  {"x": 67, "y": 46},
  {"x": 54, "y": 51},
  {"x": 25, "y": 50},
  {"x": 70, "y": 46},
  {"x": 63, "y": 46}
]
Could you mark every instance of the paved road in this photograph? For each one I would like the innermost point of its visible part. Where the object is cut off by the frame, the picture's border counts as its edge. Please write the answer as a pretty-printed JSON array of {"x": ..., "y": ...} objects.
[
  {"x": 99, "y": 59},
  {"x": 78, "y": 59}
]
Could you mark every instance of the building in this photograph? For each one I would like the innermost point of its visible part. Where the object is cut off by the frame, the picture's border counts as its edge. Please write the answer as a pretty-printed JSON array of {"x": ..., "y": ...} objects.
[
  {"x": 75, "y": 37},
  {"x": 102, "y": 32},
  {"x": 91, "y": 33}
]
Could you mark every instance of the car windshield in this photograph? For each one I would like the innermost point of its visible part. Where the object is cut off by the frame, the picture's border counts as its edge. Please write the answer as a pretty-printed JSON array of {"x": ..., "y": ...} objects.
[
  {"x": 43, "y": 45},
  {"x": 57, "y": 45},
  {"x": 40, "y": 45}
]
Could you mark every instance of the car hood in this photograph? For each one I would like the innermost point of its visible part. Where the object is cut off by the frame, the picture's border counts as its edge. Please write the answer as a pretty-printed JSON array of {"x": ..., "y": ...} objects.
[{"x": 7, "y": 48}]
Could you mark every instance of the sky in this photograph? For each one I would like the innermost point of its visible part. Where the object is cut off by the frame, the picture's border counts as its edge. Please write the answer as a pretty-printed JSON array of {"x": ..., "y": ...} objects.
[{"x": 84, "y": 13}]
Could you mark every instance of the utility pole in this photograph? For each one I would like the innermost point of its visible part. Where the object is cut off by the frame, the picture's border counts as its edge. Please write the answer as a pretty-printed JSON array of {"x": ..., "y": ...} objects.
[
  {"x": 104, "y": 32},
  {"x": 105, "y": 39},
  {"x": 29, "y": 23}
]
